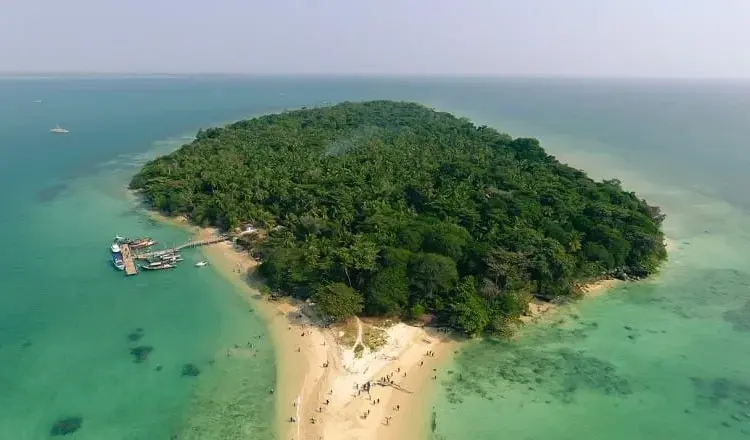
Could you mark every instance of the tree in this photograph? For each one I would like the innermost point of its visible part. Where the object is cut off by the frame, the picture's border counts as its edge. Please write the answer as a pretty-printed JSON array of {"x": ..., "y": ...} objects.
[
  {"x": 467, "y": 312},
  {"x": 338, "y": 301},
  {"x": 433, "y": 274},
  {"x": 388, "y": 292},
  {"x": 403, "y": 205}
]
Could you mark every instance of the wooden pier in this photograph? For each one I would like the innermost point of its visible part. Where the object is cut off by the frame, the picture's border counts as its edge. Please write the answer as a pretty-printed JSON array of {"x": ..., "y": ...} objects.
[
  {"x": 190, "y": 244},
  {"x": 128, "y": 259}
]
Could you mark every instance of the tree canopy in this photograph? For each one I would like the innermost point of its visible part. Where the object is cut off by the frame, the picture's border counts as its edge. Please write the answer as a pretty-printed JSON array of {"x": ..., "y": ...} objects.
[
  {"x": 415, "y": 211},
  {"x": 338, "y": 301}
]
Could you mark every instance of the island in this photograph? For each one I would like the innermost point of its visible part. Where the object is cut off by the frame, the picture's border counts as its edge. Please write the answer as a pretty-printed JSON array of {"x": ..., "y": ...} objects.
[{"x": 394, "y": 209}]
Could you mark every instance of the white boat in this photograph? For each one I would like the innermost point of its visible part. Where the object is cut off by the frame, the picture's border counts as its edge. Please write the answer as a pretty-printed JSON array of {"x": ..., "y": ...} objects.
[
  {"x": 159, "y": 266},
  {"x": 201, "y": 263},
  {"x": 117, "y": 261},
  {"x": 117, "y": 257},
  {"x": 59, "y": 129},
  {"x": 171, "y": 259}
]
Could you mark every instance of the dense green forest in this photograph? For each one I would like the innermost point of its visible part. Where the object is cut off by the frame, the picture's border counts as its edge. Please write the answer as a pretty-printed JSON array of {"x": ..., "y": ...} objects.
[{"x": 390, "y": 208}]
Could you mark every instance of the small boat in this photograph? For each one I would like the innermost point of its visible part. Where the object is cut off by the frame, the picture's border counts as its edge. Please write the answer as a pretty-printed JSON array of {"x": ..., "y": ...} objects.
[
  {"x": 142, "y": 242},
  {"x": 117, "y": 261},
  {"x": 170, "y": 259},
  {"x": 59, "y": 129},
  {"x": 201, "y": 263},
  {"x": 157, "y": 266},
  {"x": 135, "y": 243},
  {"x": 115, "y": 248},
  {"x": 167, "y": 256}
]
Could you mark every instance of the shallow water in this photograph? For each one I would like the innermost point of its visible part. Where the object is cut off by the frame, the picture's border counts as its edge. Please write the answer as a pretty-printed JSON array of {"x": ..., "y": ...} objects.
[
  {"x": 650, "y": 360},
  {"x": 68, "y": 320},
  {"x": 659, "y": 358}
]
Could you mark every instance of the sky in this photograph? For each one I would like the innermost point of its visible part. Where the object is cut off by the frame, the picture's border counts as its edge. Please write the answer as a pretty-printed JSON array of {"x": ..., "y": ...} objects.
[{"x": 620, "y": 38}]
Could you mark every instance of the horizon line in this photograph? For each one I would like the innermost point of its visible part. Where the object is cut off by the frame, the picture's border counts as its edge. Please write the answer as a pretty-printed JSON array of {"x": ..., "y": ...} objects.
[{"x": 373, "y": 75}]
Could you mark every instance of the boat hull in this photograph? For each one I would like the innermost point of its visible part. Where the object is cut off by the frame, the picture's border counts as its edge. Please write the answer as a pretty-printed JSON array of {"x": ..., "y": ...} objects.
[
  {"x": 160, "y": 267},
  {"x": 117, "y": 261}
]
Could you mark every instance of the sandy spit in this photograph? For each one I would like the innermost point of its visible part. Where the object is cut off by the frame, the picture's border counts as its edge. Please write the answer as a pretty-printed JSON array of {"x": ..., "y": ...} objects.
[
  {"x": 319, "y": 376},
  {"x": 319, "y": 381}
]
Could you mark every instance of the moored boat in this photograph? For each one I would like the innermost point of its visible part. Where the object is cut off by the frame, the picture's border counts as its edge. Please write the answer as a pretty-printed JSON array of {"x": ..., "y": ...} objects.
[
  {"x": 115, "y": 248},
  {"x": 157, "y": 266},
  {"x": 135, "y": 243},
  {"x": 117, "y": 260},
  {"x": 142, "y": 242},
  {"x": 201, "y": 263},
  {"x": 118, "y": 263}
]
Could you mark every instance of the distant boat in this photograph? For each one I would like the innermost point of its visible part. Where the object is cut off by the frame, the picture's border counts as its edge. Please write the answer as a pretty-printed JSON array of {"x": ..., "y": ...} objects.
[
  {"x": 59, "y": 129},
  {"x": 201, "y": 263},
  {"x": 38, "y": 101}
]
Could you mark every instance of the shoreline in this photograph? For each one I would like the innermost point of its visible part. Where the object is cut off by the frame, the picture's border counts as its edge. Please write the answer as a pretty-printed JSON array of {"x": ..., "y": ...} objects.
[{"x": 314, "y": 365}]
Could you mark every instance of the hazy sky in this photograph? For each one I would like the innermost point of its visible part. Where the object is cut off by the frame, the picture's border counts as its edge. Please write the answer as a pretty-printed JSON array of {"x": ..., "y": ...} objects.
[{"x": 651, "y": 38}]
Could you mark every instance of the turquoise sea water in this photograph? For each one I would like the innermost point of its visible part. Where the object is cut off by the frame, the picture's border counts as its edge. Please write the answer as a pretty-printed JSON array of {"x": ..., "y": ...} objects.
[
  {"x": 665, "y": 357},
  {"x": 656, "y": 359},
  {"x": 65, "y": 313}
]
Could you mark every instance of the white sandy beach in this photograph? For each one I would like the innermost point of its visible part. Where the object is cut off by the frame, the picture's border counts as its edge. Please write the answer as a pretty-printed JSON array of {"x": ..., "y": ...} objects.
[
  {"x": 323, "y": 401},
  {"x": 319, "y": 376}
]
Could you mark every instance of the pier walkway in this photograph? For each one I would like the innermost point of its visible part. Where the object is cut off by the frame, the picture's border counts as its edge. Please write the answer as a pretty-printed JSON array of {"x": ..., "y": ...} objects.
[
  {"x": 190, "y": 244},
  {"x": 128, "y": 259}
]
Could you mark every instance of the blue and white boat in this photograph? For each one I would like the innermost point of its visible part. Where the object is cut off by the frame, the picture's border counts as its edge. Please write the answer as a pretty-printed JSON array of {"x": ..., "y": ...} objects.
[{"x": 117, "y": 256}]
